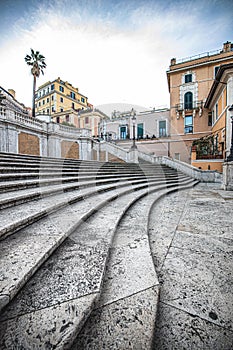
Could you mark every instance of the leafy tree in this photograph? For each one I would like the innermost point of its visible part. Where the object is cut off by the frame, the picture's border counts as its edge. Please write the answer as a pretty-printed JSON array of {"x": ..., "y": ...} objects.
[{"x": 37, "y": 61}]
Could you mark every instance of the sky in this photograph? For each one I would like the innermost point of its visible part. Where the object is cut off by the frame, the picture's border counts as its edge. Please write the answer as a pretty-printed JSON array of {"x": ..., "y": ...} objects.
[{"x": 115, "y": 52}]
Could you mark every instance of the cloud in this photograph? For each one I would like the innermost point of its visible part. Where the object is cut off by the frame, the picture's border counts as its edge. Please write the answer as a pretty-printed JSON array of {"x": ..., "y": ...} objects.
[{"x": 114, "y": 51}]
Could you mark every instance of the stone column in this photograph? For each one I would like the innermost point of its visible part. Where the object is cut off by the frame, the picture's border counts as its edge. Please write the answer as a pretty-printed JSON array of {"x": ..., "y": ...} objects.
[
  {"x": 133, "y": 156},
  {"x": 10, "y": 139},
  {"x": 228, "y": 176},
  {"x": 54, "y": 147},
  {"x": 85, "y": 150}
]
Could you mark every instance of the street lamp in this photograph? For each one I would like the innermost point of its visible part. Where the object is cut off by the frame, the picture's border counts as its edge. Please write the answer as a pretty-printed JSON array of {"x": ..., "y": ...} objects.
[
  {"x": 230, "y": 157},
  {"x": 133, "y": 114}
]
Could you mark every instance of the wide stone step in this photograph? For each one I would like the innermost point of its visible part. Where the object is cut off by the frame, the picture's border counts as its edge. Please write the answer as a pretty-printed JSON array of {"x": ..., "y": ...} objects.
[
  {"x": 52, "y": 307},
  {"x": 24, "y": 183},
  {"x": 70, "y": 170},
  {"x": 15, "y": 218},
  {"x": 64, "y": 220},
  {"x": 9, "y": 199},
  {"x": 125, "y": 314}
]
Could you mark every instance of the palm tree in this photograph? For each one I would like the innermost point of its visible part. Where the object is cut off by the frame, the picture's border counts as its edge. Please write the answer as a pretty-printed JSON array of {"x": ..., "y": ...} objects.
[{"x": 37, "y": 61}]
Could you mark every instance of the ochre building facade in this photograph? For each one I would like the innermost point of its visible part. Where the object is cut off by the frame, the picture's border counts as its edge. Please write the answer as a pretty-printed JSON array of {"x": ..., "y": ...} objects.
[
  {"x": 58, "y": 96},
  {"x": 189, "y": 83}
]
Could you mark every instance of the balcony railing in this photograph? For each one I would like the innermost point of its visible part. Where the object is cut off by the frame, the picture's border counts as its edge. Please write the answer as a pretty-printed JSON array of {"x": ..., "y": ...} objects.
[
  {"x": 189, "y": 106},
  {"x": 201, "y": 55}
]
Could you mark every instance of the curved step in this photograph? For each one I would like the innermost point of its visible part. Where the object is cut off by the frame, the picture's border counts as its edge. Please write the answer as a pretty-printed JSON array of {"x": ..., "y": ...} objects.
[
  {"x": 16, "y": 269},
  {"x": 51, "y": 303},
  {"x": 11, "y": 198},
  {"x": 15, "y": 218},
  {"x": 124, "y": 317}
]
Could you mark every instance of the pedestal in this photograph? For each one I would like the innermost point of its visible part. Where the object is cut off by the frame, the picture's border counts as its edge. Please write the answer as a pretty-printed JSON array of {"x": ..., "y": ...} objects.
[{"x": 228, "y": 176}]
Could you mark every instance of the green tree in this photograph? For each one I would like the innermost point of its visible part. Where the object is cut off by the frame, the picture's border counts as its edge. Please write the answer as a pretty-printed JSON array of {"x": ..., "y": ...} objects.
[{"x": 37, "y": 61}]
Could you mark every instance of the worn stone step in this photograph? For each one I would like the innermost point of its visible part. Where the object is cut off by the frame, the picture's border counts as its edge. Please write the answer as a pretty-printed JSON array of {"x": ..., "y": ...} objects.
[
  {"x": 41, "y": 313},
  {"x": 59, "y": 225},
  {"x": 6, "y": 169},
  {"x": 8, "y": 199},
  {"x": 6, "y": 186},
  {"x": 15, "y": 218},
  {"x": 124, "y": 317},
  {"x": 11, "y": 176}
]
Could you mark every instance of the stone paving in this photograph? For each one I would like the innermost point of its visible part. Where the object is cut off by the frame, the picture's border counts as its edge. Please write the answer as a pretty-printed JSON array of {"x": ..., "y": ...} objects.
[{"x": 191, "y": 238}]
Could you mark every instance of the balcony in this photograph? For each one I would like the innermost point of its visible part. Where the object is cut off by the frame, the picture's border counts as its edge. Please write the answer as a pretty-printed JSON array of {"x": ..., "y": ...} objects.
[{"x": 189, "y": 106}]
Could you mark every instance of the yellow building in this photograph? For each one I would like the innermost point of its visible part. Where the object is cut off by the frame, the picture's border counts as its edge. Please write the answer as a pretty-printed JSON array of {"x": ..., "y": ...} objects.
[
  {"x": 58, "y": 96},
  {"x": 208, "y": 153},
  {"x": 189, "y": 82}
]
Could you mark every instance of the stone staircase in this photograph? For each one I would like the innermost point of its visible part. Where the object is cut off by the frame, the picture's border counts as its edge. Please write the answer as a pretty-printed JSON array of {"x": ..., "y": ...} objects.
[{"x": 76, "y": 266}]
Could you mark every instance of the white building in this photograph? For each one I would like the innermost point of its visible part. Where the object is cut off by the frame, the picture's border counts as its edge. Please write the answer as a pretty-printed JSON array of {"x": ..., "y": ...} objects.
[{"x": 148, "y": 125}]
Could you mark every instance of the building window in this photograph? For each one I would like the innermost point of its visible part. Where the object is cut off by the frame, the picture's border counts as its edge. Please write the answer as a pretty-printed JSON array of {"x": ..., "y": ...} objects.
[
  {"x": 52, "y": 97},
  {"x": 210, "y": 119},
  {"x": 52, "y": 87},
  {"x": 188, "y": 124},
  {"x": 177, "y": 156},
  {"x": 61, "y": 99},
  {"x": 123, "y": 132},
  {"x": 39, "y": 104},
  {"x": 72, "y": 95},
  {"x": 82, "y": 100},
  {"x": 140, "y": 131},
  {"x": 72, "y": 105},
  {"x": 216, "y": 111},
  {"x": 58, "y": 119},
  {"x": 35, "y": 105},
  {"x": 43, "y": 92},
  {"x": 188, "y": 78},
  {"x": 47, "y": 110},
  {"x": 43, "y": 111},
  {"x": 86, "y": 120},
  {"x": 188, "y": 100},
  {"x": 61, "y": 88},
  {"x": 61, "y": 109},
  {"x": 67, "y": 118},
  {"x": 162, "y": 128},
  {"x": 43, "y": 102},
  {"x": 216, "y": 70},
  {"x": 48, "y": 100},
  {"x": 53, "y": 110}
]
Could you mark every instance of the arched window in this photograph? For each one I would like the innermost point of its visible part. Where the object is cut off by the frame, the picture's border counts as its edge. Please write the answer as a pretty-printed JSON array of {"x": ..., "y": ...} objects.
[{"x": 188, "y": 100}]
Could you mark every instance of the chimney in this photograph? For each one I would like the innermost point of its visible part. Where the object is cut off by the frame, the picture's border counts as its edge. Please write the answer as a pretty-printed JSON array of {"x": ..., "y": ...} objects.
[
  {"x": 227, "y": 46},
  {"x": 173, "y": 61},
  {"x": 12, "y": 92}
]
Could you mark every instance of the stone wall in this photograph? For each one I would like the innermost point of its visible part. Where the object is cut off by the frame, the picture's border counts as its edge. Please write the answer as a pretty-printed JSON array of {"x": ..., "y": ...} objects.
[
  {"x": 69, "y": 149},
  {"x": 26, "y": 135},
  {"x": 28, "y": 144}
]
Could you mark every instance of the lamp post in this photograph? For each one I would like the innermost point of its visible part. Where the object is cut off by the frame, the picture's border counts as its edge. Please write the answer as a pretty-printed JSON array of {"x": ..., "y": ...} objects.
[
  {"x": 230, "y": 157},
  {"x": 133, "y": 114}
]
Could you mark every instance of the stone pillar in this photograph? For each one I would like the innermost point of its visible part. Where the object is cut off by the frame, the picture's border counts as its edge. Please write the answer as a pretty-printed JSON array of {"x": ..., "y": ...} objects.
[
  {"x": 85, "y": 149},
  {"x": 133, "y": 156},
  {"x": 54, "y": 147},
  {"x": 2, "y": 138},
  {"x": 228, "y": 176},
  {"x": 11, "y": 139},
  {"x": 44, "y": 146}
]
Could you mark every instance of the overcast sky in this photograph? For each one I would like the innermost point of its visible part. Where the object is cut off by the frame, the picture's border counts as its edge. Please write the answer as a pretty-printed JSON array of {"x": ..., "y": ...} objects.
[{"x": 113, "y": 51}]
